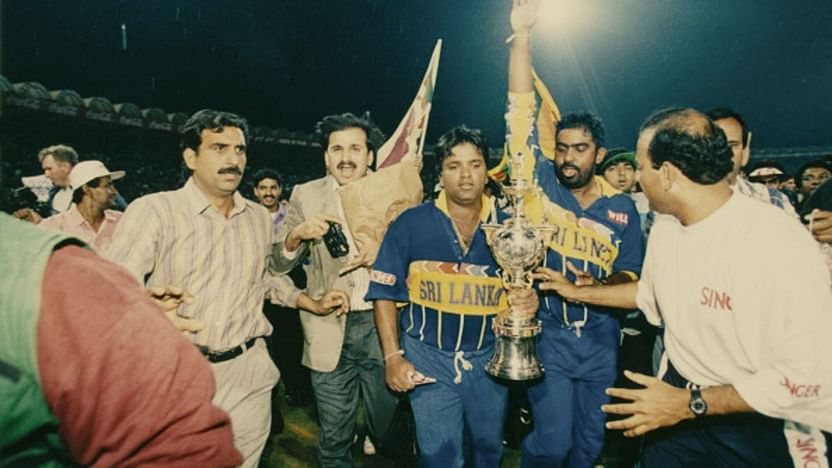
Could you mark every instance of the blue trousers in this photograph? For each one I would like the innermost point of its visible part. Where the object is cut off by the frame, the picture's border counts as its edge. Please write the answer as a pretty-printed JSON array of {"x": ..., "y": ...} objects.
[
  {"x": 456, "y": 424},
  {"x": 360, "y": 367},
  {"x": 566, "y": 403}
]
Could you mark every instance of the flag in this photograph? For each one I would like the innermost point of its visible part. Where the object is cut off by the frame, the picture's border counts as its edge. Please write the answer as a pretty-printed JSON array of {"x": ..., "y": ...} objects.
[
  {"x": 547, "y": 117},
  {"x": 409, "y": 137},
  {"x": 374, "y": 201}
]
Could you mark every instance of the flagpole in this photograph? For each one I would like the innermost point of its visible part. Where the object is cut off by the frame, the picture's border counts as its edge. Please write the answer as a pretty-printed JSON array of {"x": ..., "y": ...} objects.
[{"x": 438, "y": 50}]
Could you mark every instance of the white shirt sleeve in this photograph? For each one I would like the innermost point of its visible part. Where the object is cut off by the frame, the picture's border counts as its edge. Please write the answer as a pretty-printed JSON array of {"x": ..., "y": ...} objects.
[{"x": 645, "y": 295}]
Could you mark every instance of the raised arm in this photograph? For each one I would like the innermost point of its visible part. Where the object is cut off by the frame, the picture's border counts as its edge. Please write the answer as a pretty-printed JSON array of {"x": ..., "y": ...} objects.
[{"x": 523, "y": 17}]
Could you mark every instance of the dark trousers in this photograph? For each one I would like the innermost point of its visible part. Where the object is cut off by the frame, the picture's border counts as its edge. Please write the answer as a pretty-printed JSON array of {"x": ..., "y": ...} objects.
[
  {"x": 286, "y": 349},
  {"x": 360, "y": 369},
  {"x": 749, "y": 439},
  {"x": 286, "y": 345}
]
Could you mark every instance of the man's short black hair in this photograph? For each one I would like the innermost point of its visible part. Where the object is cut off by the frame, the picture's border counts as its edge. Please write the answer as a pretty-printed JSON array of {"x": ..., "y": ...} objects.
[
  {"x": 267, "y": 173},
  {"x": 690, "y": 141},
  {"x": 816, "y": 163},
  {"x": 338, "y": 122},
  {"x": 457, "y": 136},
  {"x": 211, "y": 120},
  {"x": 727, "y": 113},
  {"x": 586, "y": 121}
]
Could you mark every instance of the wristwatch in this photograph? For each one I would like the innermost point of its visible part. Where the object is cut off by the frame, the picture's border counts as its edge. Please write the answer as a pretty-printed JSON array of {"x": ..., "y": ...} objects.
[{"x": 697, "y": 404}]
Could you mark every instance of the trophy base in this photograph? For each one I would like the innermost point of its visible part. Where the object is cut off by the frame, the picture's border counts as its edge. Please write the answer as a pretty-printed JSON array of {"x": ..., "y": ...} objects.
[{"x": 515, "y": 357}]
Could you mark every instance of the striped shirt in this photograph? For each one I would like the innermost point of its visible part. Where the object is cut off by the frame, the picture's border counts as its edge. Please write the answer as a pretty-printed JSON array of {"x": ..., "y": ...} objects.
[
  {"x": 178, "y": 238},
  {"x": 764, "y": 194}
]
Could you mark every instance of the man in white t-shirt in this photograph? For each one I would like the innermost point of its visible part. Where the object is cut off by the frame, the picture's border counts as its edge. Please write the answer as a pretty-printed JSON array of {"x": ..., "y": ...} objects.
[{"x": 744, "y": 297}]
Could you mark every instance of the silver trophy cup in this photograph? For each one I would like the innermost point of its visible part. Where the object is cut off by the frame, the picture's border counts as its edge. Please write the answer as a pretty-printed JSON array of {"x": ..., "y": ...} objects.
[{"x": 518, "y": 247}]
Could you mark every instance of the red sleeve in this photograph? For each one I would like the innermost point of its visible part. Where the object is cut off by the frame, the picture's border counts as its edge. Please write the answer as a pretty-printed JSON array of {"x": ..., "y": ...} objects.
[{"x": 125, "y": 385}]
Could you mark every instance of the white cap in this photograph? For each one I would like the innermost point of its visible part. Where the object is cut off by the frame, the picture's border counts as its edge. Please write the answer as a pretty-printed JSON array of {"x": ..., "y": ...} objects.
[
  {"x": 765, "y": 171},
  {"x": 86, "y": 171}
]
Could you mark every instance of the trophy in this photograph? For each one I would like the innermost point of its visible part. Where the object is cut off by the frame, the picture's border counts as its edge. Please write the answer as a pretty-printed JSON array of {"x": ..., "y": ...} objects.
[{"x": 518, "y": 247}]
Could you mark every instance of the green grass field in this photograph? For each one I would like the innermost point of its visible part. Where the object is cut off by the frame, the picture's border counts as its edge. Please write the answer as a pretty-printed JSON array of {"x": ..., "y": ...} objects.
[{"x": 295, "y": 446}]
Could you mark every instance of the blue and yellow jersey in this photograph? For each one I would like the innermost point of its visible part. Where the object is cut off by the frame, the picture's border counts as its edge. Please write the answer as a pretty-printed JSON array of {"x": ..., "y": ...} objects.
[
  {"x": 604, "y": 239},
  {"x": 450, "y": 296}
]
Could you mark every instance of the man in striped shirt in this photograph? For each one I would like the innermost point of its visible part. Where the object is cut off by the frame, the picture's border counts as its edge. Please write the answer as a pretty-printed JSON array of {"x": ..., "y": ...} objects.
[{"x": 201, "y": 251}]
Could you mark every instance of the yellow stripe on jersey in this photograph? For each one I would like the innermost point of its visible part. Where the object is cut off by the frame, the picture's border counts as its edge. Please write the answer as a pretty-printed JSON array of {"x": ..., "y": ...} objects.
[
  {"x": 580, "y": 239},
  {"x": 457, "y": 293}
]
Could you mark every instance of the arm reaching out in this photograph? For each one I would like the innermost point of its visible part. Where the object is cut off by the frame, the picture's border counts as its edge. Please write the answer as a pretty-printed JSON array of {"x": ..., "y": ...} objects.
[
  {"x": 333, "y": 301},
  {"x": 587, "y": 289},
  {"x": 660, "y": 404}
]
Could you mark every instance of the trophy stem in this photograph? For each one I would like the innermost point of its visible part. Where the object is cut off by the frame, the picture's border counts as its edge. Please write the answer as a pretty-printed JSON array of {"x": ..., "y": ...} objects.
[{"x": 515, "y": 356}]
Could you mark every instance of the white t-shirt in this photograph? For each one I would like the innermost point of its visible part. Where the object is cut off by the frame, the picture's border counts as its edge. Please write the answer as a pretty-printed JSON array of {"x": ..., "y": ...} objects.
[
  {"x": 745, "y": 300},
  {"x": 62, "y": 201}
]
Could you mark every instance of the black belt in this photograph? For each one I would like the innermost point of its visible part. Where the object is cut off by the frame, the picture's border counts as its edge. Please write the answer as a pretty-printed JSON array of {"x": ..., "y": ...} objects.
[{"x": 226, "y": 355}]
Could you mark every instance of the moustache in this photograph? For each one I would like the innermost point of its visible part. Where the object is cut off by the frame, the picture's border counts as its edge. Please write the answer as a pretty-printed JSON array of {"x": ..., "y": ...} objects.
[
  {"x": 344, "y": 164},
  {"x": 230, "y": 170},
  {"x": 569, "y": 166}
]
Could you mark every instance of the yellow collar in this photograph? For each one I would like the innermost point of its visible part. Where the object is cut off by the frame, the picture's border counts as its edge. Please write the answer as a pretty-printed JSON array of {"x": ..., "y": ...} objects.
[{"x": 442, "y": 204}]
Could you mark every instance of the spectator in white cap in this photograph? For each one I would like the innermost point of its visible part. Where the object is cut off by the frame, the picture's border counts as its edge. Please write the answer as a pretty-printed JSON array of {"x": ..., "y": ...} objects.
[
  {"x": 89, "y": 218},
  {"x": 769, "y": 174}
]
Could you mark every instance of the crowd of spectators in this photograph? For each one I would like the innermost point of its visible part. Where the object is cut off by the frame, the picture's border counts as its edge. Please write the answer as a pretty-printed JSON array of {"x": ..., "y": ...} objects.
[{"x": 153, "y": 163}]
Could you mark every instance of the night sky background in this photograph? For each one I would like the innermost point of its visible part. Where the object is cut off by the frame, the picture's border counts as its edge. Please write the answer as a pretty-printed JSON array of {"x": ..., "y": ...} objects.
[{"x": 284, "y": 64}]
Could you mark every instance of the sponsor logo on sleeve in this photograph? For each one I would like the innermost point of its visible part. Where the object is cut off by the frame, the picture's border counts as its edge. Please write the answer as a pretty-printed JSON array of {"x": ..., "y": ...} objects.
[
  {"x": 800, "y": 391},
  {"x": 381, "y": 277},
  {"x": 617, "y": 218}
]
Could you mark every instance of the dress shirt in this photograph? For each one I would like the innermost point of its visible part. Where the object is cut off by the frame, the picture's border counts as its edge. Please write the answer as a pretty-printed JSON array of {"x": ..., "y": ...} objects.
[
  {"x": 179, "y": 238},
  {"x": 72, "y": 222},
  {"x": 279, "y": 216}
]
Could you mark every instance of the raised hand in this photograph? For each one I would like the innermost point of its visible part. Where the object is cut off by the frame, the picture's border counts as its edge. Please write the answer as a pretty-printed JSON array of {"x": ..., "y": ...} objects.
[{"x": 524, "y": 15}]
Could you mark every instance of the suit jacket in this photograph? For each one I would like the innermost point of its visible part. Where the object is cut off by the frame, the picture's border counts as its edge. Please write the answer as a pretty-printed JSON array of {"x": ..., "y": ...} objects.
[{"x": 323, "y": 335}]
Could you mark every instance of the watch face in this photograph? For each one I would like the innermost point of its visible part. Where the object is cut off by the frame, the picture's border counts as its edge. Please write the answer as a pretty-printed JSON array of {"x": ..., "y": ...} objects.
[{"x": 698, "y": 407}]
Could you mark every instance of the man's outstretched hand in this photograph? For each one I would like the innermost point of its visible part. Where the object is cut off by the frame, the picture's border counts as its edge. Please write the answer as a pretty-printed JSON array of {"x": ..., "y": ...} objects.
[{"x": 169, "y": 298}]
